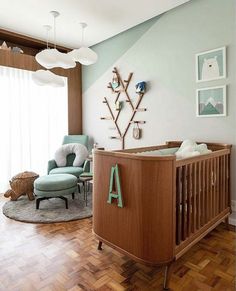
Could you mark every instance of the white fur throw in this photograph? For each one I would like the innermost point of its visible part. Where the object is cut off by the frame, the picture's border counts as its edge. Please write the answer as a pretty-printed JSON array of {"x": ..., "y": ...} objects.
[
  {"x": 189, "y": 149},
  {"x": 79, "y": 150}
]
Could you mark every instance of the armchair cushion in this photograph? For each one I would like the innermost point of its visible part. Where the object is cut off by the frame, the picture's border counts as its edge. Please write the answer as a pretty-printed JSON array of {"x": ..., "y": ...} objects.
[
  {"x": 79, "y": 150},
  {"x": 76, "y": 171}
]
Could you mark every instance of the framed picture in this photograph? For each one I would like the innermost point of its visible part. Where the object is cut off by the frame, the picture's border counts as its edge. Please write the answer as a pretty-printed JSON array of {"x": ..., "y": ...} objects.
[
  {"x": 211, "y": 102},
  {"x": 211, "y": 65}
]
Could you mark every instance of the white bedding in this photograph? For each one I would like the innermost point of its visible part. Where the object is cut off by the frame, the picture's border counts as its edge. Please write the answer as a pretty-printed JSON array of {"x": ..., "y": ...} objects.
[{"x": 187, "y": 149}]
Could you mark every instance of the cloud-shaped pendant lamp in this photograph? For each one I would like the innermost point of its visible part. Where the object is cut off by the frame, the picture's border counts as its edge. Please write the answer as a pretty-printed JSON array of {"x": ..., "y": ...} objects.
[
  {"x": 84, "y": 55},
  {"x": 45, "y": 77},
  {"x": 52, "y": 58}
]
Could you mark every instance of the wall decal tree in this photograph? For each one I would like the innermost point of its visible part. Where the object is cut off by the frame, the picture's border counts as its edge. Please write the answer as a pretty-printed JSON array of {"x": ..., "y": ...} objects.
[{"x": 123, "y": 85}]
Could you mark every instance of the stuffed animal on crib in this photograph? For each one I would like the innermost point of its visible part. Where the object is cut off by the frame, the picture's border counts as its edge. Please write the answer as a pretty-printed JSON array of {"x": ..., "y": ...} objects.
[
  {"x": 22, "y": 184},
  {"x": 190, "y": 148}
]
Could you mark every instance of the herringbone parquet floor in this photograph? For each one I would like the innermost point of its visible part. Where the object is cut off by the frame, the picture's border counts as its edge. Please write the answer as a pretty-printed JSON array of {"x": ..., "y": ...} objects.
[{"x": 64, "y": 256}]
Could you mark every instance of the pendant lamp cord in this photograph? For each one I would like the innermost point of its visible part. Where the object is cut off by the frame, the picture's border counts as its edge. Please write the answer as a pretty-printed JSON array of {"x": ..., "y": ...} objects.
[
  {"x": 54, "y": 23},
  {"x": 82, "y": 40},
  {"x": 47, "y": 37},
  {"x": 83, "y": 26},
  {"x": 47, "y": 30}
]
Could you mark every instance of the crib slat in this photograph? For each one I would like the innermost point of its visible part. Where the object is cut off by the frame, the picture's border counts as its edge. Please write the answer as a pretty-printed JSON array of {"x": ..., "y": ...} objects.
[
  {"x": 206, "y": 210},
  {"x": 208, "y": 190},
  {"x": 221, "y": 185},
  {"x": 227, "y": 181},
  {"x": 178, "y": 205},
  {"x": 201, "y": 191},
  {"x": 194, "y": 199},
  {"x": 218, "y": 186},
  {"x": 203, "y": 194},
  {"x": 189, "y": 197},
  {"x": 199, "y": 196},
  {"x": 214, "y": 188},
  {"x": 224, "y": 182},
  {"x": 211, "y": 186},
  {"x": 184, "y": 190}
]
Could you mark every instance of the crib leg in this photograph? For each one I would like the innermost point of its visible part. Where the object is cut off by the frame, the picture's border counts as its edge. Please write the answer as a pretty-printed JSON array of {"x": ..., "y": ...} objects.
[
  {"x": 100, "y": 245},
  {"x": 227, "y": 223},
  {"x": 168, "y": 272}
]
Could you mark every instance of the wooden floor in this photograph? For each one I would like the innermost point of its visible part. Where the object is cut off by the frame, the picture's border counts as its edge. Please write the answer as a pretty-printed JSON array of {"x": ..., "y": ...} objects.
[{"x": 64, "y": 256}]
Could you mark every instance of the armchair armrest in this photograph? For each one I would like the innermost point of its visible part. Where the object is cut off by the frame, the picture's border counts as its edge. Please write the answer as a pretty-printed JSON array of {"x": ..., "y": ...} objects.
[
  {"x": 51, "y": 165},
  {"x": 86, "y": 167}
]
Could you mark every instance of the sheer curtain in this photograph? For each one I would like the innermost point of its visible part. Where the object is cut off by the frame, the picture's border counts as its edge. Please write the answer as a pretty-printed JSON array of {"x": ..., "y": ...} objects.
[{"x": 33, "y": 121}]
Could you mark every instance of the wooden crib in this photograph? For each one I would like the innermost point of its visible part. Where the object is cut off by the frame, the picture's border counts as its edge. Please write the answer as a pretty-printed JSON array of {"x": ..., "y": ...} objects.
[{"x": 154, "y": 208}]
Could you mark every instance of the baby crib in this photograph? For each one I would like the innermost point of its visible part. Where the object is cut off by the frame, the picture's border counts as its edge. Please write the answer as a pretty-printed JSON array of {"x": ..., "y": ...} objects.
[{"x": 152, "y": 207}]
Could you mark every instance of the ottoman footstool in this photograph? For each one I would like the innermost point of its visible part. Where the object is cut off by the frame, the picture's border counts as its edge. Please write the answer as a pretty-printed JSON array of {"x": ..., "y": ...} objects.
[{"x": 55, "y": 186}]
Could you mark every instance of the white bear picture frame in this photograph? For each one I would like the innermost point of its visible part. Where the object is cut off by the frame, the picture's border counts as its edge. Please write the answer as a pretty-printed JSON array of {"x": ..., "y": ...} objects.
[{"x": 211, "y": 65}]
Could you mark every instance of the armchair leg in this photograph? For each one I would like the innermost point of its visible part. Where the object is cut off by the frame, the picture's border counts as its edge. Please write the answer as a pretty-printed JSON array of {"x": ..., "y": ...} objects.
[
  {"x": 65, "y": 199},
  {"x": 38, "y": 200},
  {"x": 46, "y": 198},
  {"x": 37, "y": 203}
]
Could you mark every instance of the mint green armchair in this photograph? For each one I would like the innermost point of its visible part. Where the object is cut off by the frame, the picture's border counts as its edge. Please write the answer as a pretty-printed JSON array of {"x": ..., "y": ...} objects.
[{"x": 69, "y": 169}]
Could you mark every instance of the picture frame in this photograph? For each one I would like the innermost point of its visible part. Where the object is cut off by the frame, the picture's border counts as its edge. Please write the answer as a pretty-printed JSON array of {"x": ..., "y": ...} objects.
[
  {"x": 211, "y": 65},
  {"x": 211, "y": 102}
]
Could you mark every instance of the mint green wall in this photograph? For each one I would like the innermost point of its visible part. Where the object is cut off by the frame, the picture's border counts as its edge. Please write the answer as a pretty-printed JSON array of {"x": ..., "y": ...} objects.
[
  {"x": 165, "y": 57},
  {"x": 112, "y": 49}
]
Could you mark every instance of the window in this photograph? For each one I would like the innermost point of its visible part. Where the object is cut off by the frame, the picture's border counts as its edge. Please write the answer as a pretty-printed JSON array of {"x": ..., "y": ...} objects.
[{"x": 33, "y": 121}]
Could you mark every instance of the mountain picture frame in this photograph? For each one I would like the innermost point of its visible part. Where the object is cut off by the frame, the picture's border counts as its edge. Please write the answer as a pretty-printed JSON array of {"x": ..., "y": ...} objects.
[
  {"x": 211, "y": 102},
  {"x": 211, "y": 65}
]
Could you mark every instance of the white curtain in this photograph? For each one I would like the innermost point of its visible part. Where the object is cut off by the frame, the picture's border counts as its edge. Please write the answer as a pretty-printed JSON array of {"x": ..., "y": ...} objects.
[{"x": 33, "y": 121}]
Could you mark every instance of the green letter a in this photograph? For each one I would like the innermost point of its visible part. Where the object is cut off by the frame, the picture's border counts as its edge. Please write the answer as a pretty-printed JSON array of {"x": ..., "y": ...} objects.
[{"x": 114, "y": 187}]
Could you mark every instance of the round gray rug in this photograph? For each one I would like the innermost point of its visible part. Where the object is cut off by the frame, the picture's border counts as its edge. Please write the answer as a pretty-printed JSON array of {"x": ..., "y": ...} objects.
[{"x": 52, "y": 210}]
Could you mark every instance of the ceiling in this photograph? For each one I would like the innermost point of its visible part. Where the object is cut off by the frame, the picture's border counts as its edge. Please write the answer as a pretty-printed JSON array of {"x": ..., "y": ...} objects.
[{"x": 105, "y": 18}]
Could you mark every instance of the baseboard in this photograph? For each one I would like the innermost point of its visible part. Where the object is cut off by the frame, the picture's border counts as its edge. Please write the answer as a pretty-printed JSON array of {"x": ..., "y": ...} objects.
[
  {"x": 232, "y": 217},
  {"x": 233, "y": 205}
]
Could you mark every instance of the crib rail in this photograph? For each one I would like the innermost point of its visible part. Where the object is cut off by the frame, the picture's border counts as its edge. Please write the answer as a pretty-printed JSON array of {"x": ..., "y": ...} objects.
[{"x": 202, "y": 194}]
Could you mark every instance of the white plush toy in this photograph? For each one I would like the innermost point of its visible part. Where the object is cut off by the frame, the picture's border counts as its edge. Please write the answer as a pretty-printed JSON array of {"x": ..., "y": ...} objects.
[
  {"x": 79, "y": 150},
  {"x": 202, "y": 149},
  {"x": 189, "y": 149}
]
